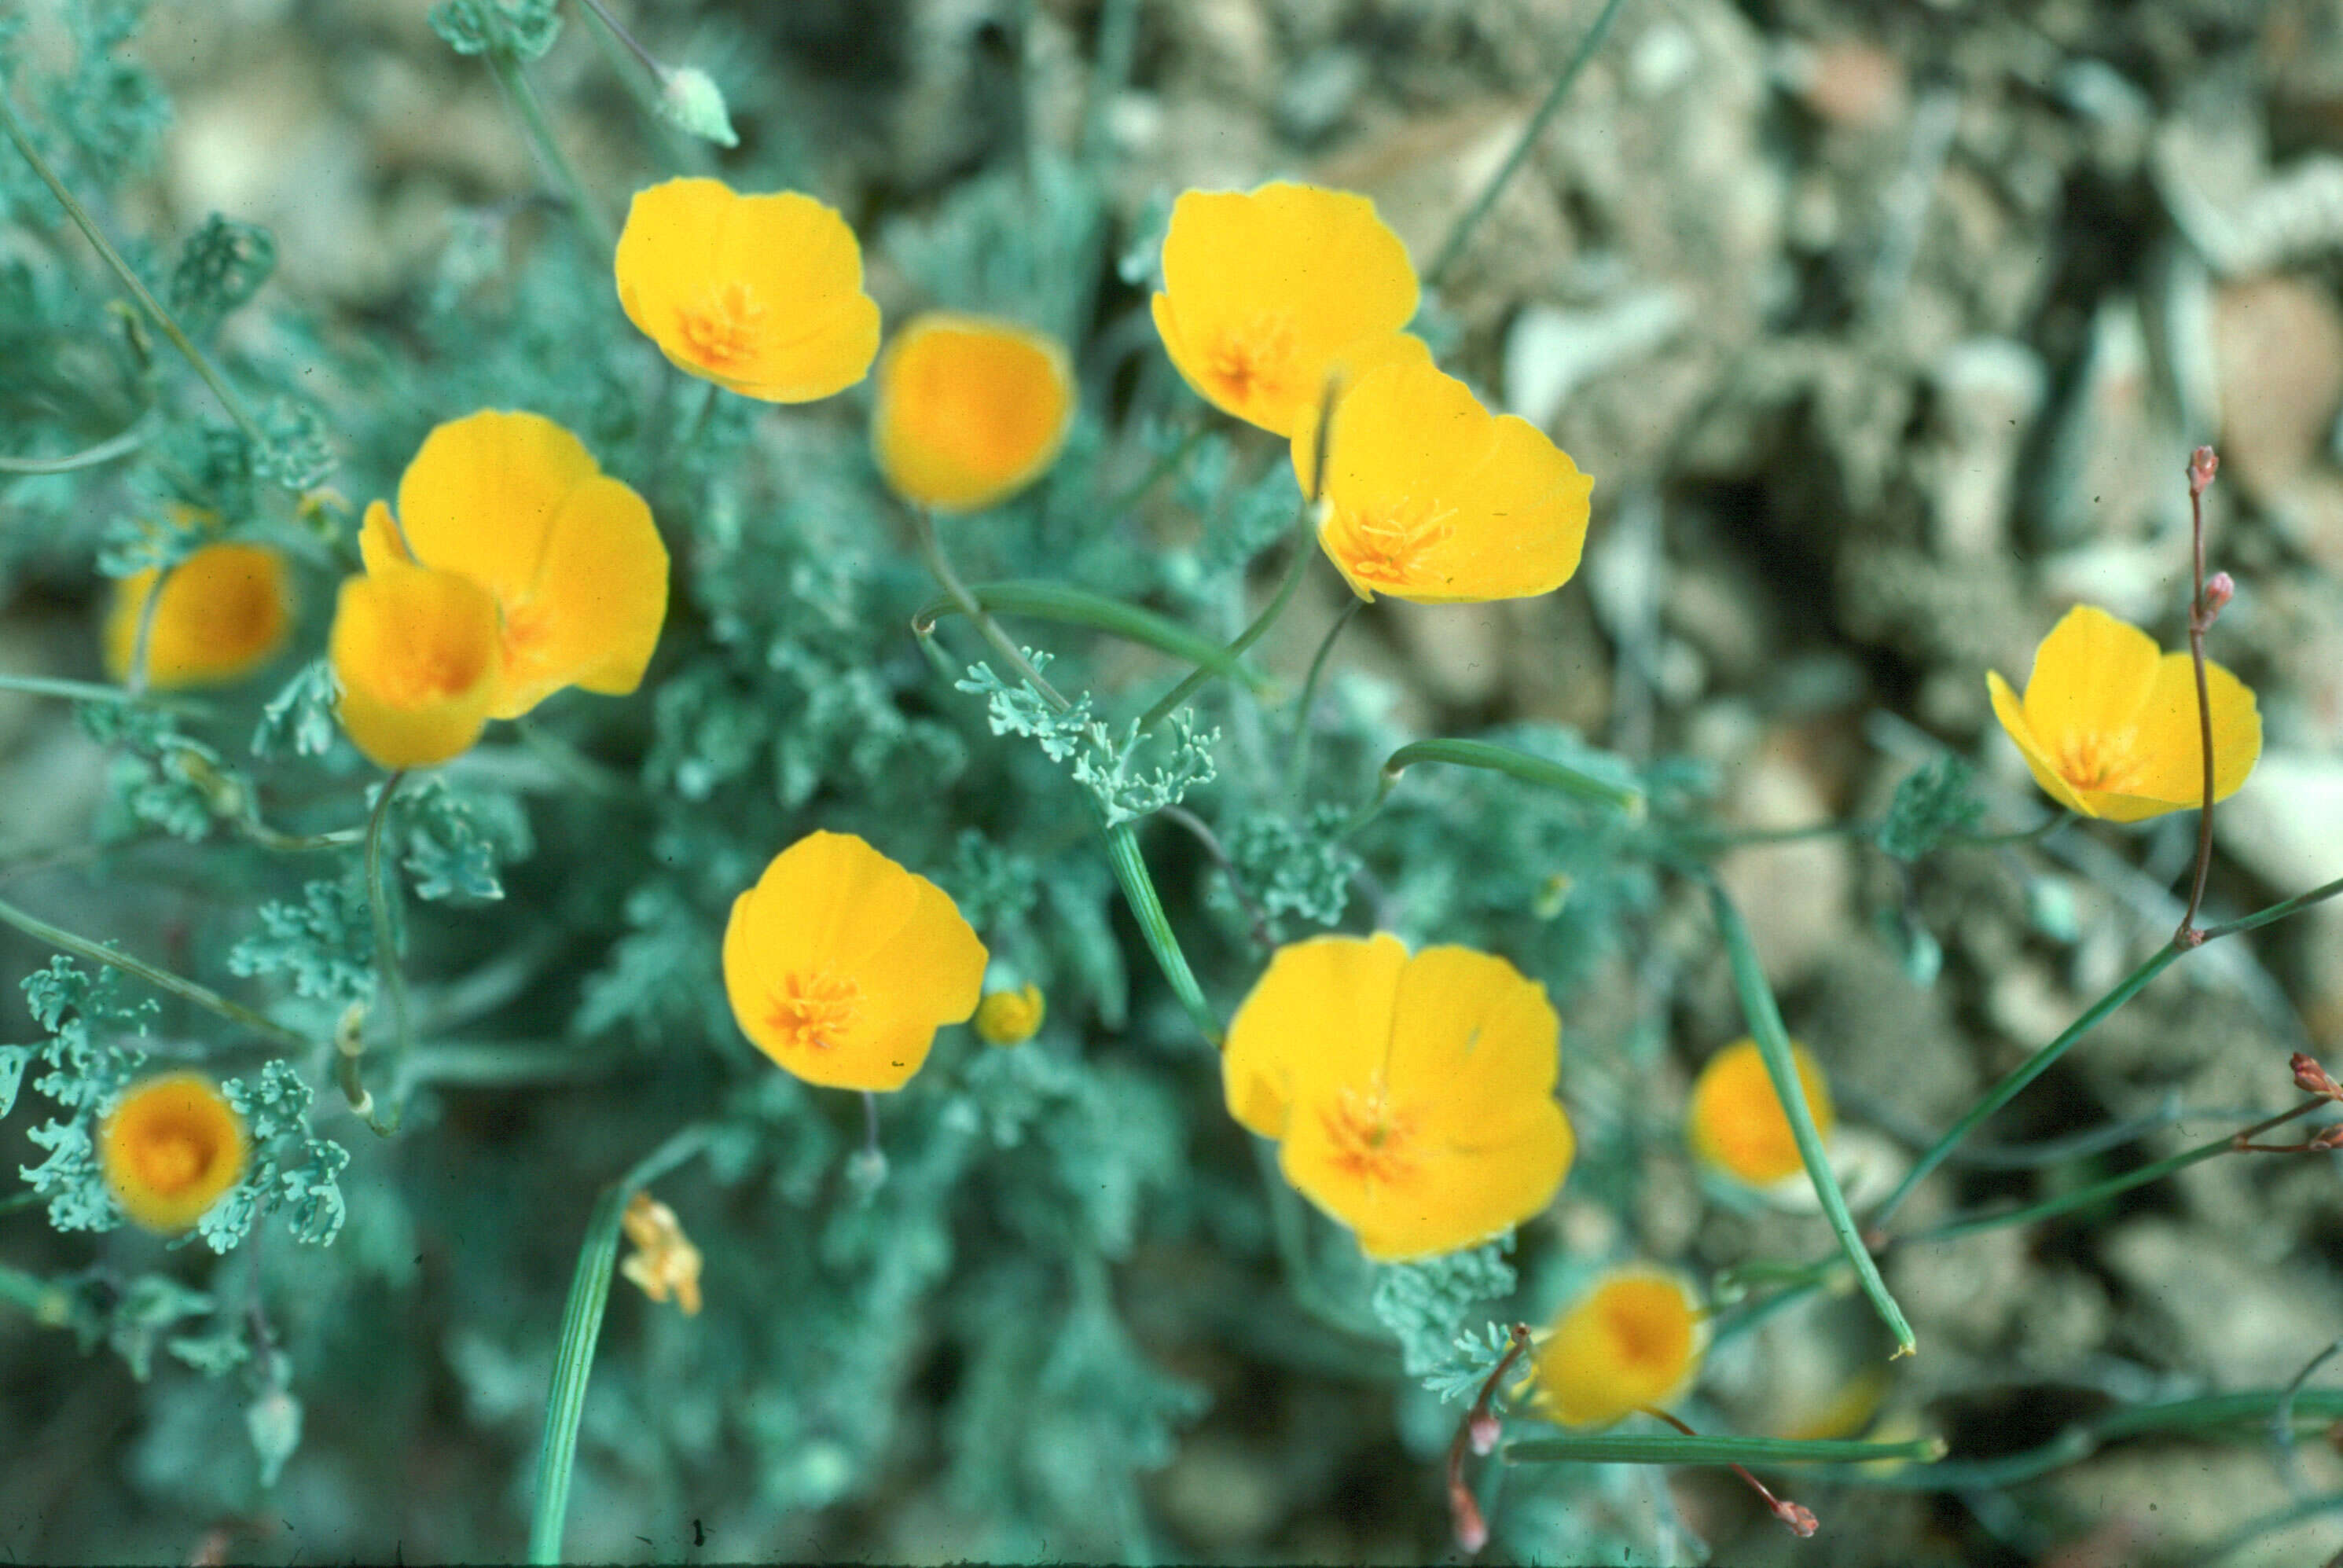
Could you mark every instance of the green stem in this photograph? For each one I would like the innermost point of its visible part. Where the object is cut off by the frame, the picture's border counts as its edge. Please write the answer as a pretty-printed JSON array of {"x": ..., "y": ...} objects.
[
  {"x": 162, "y": 979},
  {"x": 1454, "y": 246},
  {"x": 1521, "y": 765},
  {"x": 581, "y": 1327},
  {"x": 1764, "y": 1017},
  {"x": 1298, "y": 769},
  {"x": 1139, "y": 891},
  {"x": 163, "y": 320},
  {"x": 2099, "y": 1192},
  {"x": 940, "y": 566},
  {"x": 143, "y": 643},
  {"x": 515, "y": 80},
  {"x": 1657, "y": 1448},
  {"x": 388, "y": 975},
  {"x": 2024, "y": 1073},
  {"x": 2276, "y": 911},
  {"x": 1076, "y": 607},
  {"x": 90, "y": 691},
  {"x": 1195, "y": 681},
  {"x": 106, "y": 451}
]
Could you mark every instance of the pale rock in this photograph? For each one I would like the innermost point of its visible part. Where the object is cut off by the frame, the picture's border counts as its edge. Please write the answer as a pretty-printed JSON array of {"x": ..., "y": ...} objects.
[
  {"x": 2279, "y": 352},
  {"x": 2131, "y": 580},
  {"x": 1550, "y": 351},
  {"x": 1794, "y": 895},
  {"x": 1989, "y": 390},
  {"x": 2172, "y": 1502},
  {"x": 2241, "y": 1321}
]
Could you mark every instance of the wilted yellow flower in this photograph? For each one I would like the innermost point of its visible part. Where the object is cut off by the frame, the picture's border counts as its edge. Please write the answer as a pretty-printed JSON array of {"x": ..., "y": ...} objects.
[
  {"x": 761, "y": 294},
  {"x": 664, "y": 1262},
  {"x": 1634, "y": 1340},
  {"x": 1431, "y": 498},
  {"x": 576, "y": 566},
  {"x": 2108, "y": 724},
  {"x": 171, "y": 1147},
  {"x": 970, "y": 409},
  {"x": 842, "y": 965},
  {"x": 1736, "y": 1121},
  {"x": 225, "y": 612},
  {"x": 1263, "y": 292},
  {"x": 1010, "y": 1017},
  {"x": 414, "y": 653},
  {"x": 1411, "y": 1097}
]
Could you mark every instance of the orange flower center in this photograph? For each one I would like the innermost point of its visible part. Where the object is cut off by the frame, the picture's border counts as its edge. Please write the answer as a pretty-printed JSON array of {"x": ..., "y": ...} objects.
[
  {"x": 723, "y": 328},
  {"x": 1385, "y": 546},
  {"x": 1256, "y": 361},
  {"x": 1370, "y": 1135},
  {"x": 2094, "y": 760},
  {"x": 172, "y": 1157},
  {"x": 814, "y": 1011}
]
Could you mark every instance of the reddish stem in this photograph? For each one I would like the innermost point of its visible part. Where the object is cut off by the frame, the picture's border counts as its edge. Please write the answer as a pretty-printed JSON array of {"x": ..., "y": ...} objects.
[
  {"x": 1478, "y": 1431},
  {"x": 1799, "y": 1519},
  {"x": 2202, "y": 465}
]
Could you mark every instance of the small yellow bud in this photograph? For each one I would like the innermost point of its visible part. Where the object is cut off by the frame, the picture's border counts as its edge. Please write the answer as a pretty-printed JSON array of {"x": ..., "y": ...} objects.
[{"x": 1009, "y": 1017}]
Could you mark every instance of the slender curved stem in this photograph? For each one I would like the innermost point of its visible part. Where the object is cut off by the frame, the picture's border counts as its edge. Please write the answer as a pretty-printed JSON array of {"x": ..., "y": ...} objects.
[
  {"x": 106, "y": 451},
  {"x": 91, "y": 691},
  {"x": 931, "y": 551},
  {"x": 531, "y": 108},
  {"x": 1521, "y": 765},
  {"x": 1196, "y": 681},
  {"x": 167, "y": 324},
  {"x": 581, "y": 1329},
  {"x": 388, "y": 973},
  {"x": 143, "y": 644},
  {"x": 1076, "y": 607},
  {"x": 1656, "y": 1448},
  {"x": 1454, "y": 246},
  {"x": 1155, "y": 926},
  {"x": 2201, "y": 463},
  {"x": 1297, "y": 770},
  {"x": 162, "y": 979}
]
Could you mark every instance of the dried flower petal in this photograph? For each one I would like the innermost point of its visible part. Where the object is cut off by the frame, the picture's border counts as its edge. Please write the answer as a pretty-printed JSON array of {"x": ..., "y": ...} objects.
[
  {"x": 171, "y": 1147},
  {"x": 1413, "y": 1098},
  {"x": 664, "y": 1262},
  {"x": 415, "y": 651},
  {"x": 970, "y": 410},
  {"x": 1263, "y": 292},
  {"x": 225, "y": 611},
  {"x": 2108, "y": 725},
  {"x": 1736, "y": 1123},
  {"x": 1431, "y": 498},
  {"x": 761, "y": 294},
  {"x": 840, "y": 965},
  {"x": 571, "y": 556},
  {"x": 1635, "y": 1340}
]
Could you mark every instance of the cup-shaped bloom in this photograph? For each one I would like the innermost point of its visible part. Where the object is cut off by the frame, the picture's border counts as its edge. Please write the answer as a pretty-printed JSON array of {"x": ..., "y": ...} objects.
[
  {"x": 1411, "y": 1097},
  {"x": 761, "y": 294},
  {"x": 1263, "y": 291},
  {"x": 1635, "y": 1340},
  {"x": 569, "y": 555},
  {"x": 1735, "y": 1123},
  {"x": 1429, "y": 497},
  {"x": 842, "y": 965},
  {"x": 2108, "y": 725},
  {"x": 414, "y": 653},
  {"x": 170, "y": 1148},
  {"x": 970, "y": 410},
  {"x": 225, "y": 611}
]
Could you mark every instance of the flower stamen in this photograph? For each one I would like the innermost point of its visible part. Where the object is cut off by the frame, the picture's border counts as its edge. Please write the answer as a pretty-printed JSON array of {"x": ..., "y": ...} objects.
[
  {"x": 723, "y": 327},
  {"x": 1370, "y": 1136},
  {"x": 1386, "y": 545},
  {"x": 1254, "y": 363},
  {"x": 814, "y": 1012}
]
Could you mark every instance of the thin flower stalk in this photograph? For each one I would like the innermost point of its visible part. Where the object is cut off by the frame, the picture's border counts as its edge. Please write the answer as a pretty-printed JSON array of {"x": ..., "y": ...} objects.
[{"x": 2202, "y": 465}]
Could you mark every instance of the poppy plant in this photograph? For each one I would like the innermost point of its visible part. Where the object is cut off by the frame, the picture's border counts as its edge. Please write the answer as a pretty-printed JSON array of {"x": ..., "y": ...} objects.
[
  {"x": 1429, "y": 497},
  {"x": 761, "y": 294},
  {"x": 226, "y": 610},
  {"x": 1264, "y": 291},
  {"x": 2108, "y": 725},
  {"x": 415, "y": 654},
  {"x": 568, "y": 554},
  {"x": 171, "y": 1148},
  {"x": 1411, "y": 1097},
  {"x": 1736, "y": 1123},
  {"x": 970, "y": 410},
  {"x": 1634, "y": 1340},
  {"x": 842, "y": 965}
]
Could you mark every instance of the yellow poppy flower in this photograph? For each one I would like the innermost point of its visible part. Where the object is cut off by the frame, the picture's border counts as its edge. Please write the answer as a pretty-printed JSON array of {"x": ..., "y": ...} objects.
[
  {"x": 2108, "y": 724},
  {"x": 414, "y": 653},
  {"x": 761, "y": 294},
  {"x": 1010, "y": 1017},
  {"x": 1411, "y": 1097},
  {"x": 170, "y": 1148},
  {"x": 842, "y": 965},
  {"x": 970, "y": 410},
  {"x": 1263, "y": 291},
  {"x": 225, "y": 611},
  {"x": 1736, "y": 1123},
  {"x": 1634, "y": 1340},
  {"x": 570, "y": 555},
  {"x": 1431, "y": 498}
]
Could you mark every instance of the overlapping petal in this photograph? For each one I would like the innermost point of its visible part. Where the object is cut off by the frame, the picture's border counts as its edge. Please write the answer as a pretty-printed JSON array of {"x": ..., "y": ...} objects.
[
  {"x": 761, "y": 294},
  {"x": 1263, "y": 291},
  {"x": 415, "y": 652}
]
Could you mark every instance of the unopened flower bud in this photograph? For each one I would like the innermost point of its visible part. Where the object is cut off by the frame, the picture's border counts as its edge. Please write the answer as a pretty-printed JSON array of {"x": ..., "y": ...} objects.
[
  {"x": 2219, "y": 589},
  {"x": 1798, "y": 1517},
  {"x": 2311, "y": 1078},
  {"x": 2203, "y": 463},
  {"x": 1009, "y": 1017},
  {"x": 689, "y": 98},
  {"x": 1483, "y": 1430}
]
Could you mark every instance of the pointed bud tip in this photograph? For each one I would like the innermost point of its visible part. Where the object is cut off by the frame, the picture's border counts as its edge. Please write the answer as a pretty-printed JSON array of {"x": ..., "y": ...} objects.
[{"x": 691, "y": 100}]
